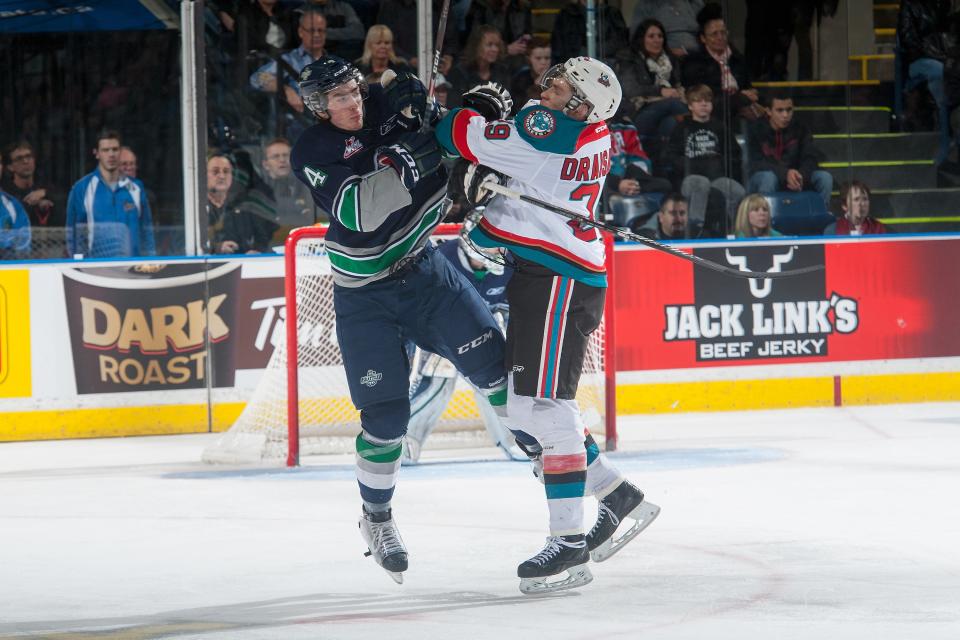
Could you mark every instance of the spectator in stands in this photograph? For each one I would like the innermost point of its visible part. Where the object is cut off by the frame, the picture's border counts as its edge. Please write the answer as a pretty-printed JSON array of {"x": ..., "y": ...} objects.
[
  {"x": 704, "y": 166},
  {"x": 41, "y": 201},
  {"x": 525, "y": 83},
  {"x": 679, "y": 18},
  {"x": 262, "y": 25},
  {"x": 291, "y": 199},
  {"x": 107, "y": 212},
  {"x": 219, "y": 182},
  {"x": 378, "y": 54},
  {"x": 925, "y": 41},
  {"x": 630, "y": 189},
  {"x": 479, "y": 63},
  {"x": 721, "y": 67},
  {"x": 442, "y": 89},
  {"x": 856, "y": 219},
  {"x": 345, "y": 32},
  {"x": 569, "y": 38},
  {"x": 128, "y": 162},
  {"x": 312, "y": 31},
  {"x": 14, "y": 227},
  {"x": 650, "y": 78},
  {"x": 514, "y": 21},
  {"x": 673, "y": 223},
  {"x": 782, "y": 155},
  {"x": 753, "y": 218}
]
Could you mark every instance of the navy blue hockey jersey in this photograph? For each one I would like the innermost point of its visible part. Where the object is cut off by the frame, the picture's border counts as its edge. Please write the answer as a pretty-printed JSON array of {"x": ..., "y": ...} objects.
[{"x": 374, "y": 221}]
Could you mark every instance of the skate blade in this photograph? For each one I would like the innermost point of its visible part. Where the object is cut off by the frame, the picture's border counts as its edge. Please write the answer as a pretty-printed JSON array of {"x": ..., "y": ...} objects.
[
  {"x": 396, "y": 575},
  {"x": 642, "y": 515},
  {"x": 577, "y": 576}
]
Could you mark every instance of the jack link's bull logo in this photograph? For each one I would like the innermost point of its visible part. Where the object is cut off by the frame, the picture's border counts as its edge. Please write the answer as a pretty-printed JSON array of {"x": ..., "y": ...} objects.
[{"x": 761, "y": 287}]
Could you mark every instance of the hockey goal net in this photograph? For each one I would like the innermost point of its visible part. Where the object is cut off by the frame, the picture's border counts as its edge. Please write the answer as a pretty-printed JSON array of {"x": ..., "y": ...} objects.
[{"x": 302, "y": 405}]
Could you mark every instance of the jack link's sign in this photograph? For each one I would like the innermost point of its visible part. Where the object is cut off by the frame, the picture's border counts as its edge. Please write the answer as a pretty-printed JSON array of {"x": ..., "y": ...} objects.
[
  {"x": 152, "y": 326},
  {"x": 749, "y": 319},
  {"x": 877, "y": 299}
]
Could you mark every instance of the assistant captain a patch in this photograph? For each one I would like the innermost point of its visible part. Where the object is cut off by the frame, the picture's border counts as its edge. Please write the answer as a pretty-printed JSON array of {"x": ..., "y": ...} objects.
[{"x": 539, "y": 123}]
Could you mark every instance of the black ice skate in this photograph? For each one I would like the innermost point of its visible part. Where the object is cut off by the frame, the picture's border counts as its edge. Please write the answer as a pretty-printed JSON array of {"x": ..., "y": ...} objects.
[
  {"x": 379, "y": 531},
  {"x": 623, "y": 503},
  {"x": 562, "y": 553}
]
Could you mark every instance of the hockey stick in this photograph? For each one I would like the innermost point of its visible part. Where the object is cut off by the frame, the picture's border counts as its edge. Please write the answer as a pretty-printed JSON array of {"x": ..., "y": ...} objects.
[
  {"x": 621, "y": 232},
  {"x": 437, "y": 48}
]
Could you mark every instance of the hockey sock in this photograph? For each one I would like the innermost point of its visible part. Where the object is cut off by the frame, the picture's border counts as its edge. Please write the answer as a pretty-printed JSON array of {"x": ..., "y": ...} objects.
[
  {"x": 563, "y": 478},
  {"x": 602, "y": 477},
  {"x": 378, "y": 465}
]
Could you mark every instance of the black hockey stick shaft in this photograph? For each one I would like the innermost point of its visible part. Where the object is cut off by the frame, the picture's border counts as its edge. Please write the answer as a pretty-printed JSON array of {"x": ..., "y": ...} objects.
[
  {"x": 437, "y": 49},
  {"x": 620, "y": 232}
]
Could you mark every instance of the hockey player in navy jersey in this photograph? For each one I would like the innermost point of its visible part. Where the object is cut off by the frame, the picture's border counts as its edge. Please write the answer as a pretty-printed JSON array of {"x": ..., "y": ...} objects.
[
  {"x": 556, "y": 149},
  {"x": 434, "y": 378},
  {"x": 380, "y": 179}
]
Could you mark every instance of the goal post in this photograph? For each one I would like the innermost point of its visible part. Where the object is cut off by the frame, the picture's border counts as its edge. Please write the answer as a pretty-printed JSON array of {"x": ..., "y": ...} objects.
[{"x": 301, "y": 405}]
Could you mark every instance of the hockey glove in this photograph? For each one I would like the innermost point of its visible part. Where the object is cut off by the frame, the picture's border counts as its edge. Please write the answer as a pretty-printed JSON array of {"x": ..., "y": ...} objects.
[
  {"x": 474, "y": 178},
  {"x": 413, "y": 156},
  {"x": 490, "y": 100},
  {"x": 407, "y": 98}
]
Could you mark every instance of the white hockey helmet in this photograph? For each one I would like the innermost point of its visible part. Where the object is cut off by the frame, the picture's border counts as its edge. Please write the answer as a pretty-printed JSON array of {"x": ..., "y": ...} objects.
[
  {"x": 593, "y": 83},
  {"x": 490, "y": 257}
]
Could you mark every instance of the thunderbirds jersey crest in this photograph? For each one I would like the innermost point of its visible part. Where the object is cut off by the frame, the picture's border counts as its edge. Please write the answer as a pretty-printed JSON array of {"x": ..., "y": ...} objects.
[
  {"x": 374, "y": 221},
  {"x": 549, "y": 156}
]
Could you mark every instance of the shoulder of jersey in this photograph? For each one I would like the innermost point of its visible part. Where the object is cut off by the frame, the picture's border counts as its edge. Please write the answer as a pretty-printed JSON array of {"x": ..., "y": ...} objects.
[{"x": 552, "y": 131}]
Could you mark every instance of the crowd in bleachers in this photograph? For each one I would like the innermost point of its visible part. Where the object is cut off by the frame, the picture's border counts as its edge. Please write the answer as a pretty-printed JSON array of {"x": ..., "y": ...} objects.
[{"x": 699, "y": 152}]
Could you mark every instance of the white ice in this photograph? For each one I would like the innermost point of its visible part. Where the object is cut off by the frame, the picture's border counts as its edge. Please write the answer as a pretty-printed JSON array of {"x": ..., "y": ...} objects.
[{"x": 819, "y": 524}]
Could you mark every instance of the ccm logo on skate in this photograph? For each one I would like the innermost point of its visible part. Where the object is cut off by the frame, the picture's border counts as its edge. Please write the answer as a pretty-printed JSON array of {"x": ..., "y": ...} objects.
[
  {"x": 476, "y": 342},
  {"x": 372, "y": 378}
]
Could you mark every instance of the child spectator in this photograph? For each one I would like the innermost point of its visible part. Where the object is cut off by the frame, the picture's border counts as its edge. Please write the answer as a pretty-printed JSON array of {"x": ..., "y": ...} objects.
[
  {"x": 782, "y": 155},
  {"x": 856, "y": 219},
  {"x": 702, "y": 164},
  {"x": 753, "y": 218},
  {"x": 630, "y": 188},
  {"x": 525, "y": 84}
]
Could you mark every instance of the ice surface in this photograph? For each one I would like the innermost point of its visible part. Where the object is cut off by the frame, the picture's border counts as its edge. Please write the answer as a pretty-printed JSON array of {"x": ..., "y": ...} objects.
[{"x": 823, "y": 523}]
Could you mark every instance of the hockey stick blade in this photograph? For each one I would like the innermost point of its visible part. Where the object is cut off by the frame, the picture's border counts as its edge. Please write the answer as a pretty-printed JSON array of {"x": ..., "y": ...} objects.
[{"x": 626, "y": 234}]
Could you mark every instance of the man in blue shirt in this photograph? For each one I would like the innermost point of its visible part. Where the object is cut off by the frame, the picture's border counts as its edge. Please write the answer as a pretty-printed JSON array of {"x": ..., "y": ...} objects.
[
  {"x": 313, "y": 39},
  {"x": 108, "y": 214},
  {"x": 14, "y": 226}
]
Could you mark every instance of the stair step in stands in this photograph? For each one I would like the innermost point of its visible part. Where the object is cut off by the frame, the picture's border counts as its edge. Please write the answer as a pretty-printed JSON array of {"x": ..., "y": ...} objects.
[
  {"x": 844, "y": 119},
  {"x": 888, "y": 174},
  {"x": 840, "y": 147}
]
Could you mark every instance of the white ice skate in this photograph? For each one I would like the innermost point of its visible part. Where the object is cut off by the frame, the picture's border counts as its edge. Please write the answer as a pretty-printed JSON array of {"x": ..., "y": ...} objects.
[
  {"x": 625, "y": 503},
  {"x": 379, "y": 531},
  {"x": 562, "y": 553}
]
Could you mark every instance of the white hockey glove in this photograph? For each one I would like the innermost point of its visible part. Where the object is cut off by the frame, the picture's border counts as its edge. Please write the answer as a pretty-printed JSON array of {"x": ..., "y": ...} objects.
[{"x": 491, "y": 100}]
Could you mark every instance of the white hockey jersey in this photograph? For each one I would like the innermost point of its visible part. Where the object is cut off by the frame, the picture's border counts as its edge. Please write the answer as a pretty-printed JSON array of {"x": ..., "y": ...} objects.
[{"x": 549, "y": 156}]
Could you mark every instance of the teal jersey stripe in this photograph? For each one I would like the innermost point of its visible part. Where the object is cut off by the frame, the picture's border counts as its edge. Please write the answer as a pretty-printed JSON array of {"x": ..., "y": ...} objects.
[
  {"x": 545, "y": 258},
  {"x": 561, "y": 138},
  {"x": 593, "y": 451},
  {"x": 366, "y": 266},
  {"x": 347, "y": 208},
  {"x": 444, "y": 132},
  {"x": 554, "y": 346},
  {"x": 566, "y": 490}
]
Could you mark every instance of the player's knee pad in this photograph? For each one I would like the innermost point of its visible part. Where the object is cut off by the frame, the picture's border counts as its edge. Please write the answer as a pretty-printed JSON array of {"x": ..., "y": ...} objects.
[
  {"x": 554, "y": 423},
  {"x": 386, "y": 421}
]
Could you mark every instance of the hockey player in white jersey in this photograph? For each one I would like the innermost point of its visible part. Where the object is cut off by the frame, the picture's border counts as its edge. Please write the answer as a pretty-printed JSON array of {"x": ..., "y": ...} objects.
[{"x": 556, "y": 149}]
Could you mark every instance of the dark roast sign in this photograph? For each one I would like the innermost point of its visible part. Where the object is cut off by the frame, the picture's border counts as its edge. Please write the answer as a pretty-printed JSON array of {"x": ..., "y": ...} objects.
[
  {"x": 750, "y": 319},
  {"x": 152, "y": 327}
]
